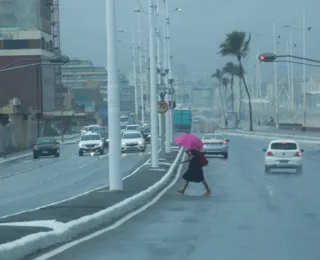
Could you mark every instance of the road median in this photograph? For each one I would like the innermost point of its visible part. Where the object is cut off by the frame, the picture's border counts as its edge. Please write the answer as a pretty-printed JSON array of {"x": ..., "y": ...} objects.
[{"x": 49, "y": 226}]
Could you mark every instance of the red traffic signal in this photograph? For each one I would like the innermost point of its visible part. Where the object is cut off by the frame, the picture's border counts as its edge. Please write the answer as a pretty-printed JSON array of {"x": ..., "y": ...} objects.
[{"x": 267, "y": 57}]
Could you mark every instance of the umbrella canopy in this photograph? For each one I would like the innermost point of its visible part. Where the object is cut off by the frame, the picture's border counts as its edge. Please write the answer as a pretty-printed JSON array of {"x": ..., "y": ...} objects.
[{"x": 189, "y": 141}]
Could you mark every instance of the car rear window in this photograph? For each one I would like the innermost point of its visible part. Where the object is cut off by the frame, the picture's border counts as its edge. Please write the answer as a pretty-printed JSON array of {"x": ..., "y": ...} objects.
[
  {"x": 213, "y": 136},
  {"x": 284, "y": 146}
]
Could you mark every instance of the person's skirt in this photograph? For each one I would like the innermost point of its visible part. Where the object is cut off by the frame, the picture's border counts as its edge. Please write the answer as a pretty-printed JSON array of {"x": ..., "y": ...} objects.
[{"x": 195, "y": 175}]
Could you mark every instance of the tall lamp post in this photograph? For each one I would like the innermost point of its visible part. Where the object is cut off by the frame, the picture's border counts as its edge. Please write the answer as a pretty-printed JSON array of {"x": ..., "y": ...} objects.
[
  {"x": 153, "y": 88},
  {"x": 115, "y": 179}
]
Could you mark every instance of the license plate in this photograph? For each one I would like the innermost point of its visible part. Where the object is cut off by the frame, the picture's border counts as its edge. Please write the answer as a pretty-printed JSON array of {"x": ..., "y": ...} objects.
[
  {"x": 44, "y": 151},
  {"x": 283, "y": 161}
]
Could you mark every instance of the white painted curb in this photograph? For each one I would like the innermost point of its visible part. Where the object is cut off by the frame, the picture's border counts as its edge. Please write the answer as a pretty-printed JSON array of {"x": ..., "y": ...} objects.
[{"x": 27, "y": 245}]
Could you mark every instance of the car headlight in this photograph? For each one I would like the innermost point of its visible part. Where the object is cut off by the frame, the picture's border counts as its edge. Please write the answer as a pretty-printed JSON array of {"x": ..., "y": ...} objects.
[
  {"x": 141, "y": 143},
  {"x": 36, "y": 147},
  {"x": 149, "y": 136},
  {"x": 100, "y": 144},
  {"x": 107, "y": 140},
  {"x": 123, "y": 144}
]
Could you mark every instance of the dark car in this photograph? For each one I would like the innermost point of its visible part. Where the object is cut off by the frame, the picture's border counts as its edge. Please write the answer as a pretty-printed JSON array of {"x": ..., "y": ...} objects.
[
  {"x": 145, "y": 133},
  {"x": 46, "y": 146}
]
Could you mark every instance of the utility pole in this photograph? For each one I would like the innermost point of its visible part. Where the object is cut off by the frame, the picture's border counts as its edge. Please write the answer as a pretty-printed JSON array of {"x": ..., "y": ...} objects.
[
  {"x": 275, "y": 76},
  {"x": 135, "y": 76},
  {"x": 115, "y": 178},
  {"x": 153, "y": 88},
  {"x": 140, "y": 70},
  {"x": 167, "y": 73},
  {"x": 159, "y": 69},
  {"x": 304, "y": 72}
]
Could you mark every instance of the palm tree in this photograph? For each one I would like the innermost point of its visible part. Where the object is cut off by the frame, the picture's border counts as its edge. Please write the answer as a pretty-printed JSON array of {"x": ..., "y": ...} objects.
[
  {"x": 231, "y": 69},
  {"x": 219, "y": 75},
  {"x": 237, "y": 45}
]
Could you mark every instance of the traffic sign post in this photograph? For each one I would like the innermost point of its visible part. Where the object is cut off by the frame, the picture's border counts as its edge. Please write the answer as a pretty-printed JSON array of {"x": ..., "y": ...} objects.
[{"x": 163, "y": 107}]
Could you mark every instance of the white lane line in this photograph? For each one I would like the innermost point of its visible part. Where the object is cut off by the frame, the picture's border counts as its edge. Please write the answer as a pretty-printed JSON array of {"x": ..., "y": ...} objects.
[
  {"x": 52, "y": 224},
  {"x": 123, "y": 220},
  {"x": 74, "y": 197}
]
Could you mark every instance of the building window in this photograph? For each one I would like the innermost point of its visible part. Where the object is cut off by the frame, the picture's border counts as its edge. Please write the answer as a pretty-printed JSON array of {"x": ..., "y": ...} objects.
[
  {"x": 50, "y": 46},
  {"x": 34, "y": 44},
  {"x": 15, "y": 44}
]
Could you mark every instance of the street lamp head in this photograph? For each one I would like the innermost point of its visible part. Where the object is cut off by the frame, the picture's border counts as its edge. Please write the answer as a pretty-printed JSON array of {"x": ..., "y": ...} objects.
[
  {"x": 177, "y": 9},
  {"x": 309, "y": 28}
]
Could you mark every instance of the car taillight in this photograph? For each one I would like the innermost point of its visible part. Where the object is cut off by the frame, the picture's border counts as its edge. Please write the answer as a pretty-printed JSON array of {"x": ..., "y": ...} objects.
[
  {"x": 223, "y": 142},
  {"x": 297, "y": 154},
  {"x": 269, "y": 154},
  {"x": 204, "y": 142}
]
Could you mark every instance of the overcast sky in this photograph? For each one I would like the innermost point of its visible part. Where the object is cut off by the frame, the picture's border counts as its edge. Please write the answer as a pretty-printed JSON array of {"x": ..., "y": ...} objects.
[{"x": 195, "y": 32}]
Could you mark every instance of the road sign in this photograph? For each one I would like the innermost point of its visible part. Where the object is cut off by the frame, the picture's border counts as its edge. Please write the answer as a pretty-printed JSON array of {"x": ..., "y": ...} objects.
[{"x": 162, "y": 107}]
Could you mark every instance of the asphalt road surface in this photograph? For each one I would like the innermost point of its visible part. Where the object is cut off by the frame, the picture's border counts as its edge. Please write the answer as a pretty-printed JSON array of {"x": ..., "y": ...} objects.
[
  {"x": 34, "y": 183},
  {"x": 250, "y": 215}
]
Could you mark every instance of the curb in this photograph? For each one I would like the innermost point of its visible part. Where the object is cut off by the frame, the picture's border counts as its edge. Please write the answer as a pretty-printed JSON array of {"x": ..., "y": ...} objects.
[
  {"x": 32, "y": 243},
  {"x": 21, "y": 157}
]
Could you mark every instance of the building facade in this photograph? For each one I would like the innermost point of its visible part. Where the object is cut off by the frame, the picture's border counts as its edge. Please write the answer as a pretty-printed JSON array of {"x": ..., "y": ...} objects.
[
  {"x": 25, "y": 39},
  {"x": 82, "y": 73}
]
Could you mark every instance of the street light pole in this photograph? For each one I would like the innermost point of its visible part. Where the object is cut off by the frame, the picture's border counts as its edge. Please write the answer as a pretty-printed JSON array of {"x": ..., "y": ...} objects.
[
  {"x": 167, "y": 73},
  {"x": 140, "y": 70},
  {"x": 291, "y": 72},
  {"x": 135, "y": 76},
  {"x": 153, "y": 88},
  {"x": 304, "y": 71},
  {"x": 159, "y": 70},
  {"x": 115, "y": 178},
  {"x": 275, "y": 76}
]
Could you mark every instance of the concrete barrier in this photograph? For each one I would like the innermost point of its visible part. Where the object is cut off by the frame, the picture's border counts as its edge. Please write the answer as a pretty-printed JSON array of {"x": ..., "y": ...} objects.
[{"x": 32, "y": 243}]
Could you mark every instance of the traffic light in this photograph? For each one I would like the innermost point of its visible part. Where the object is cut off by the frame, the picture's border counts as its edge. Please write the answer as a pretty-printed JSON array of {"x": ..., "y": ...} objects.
[{"x": 267, "y": 57}]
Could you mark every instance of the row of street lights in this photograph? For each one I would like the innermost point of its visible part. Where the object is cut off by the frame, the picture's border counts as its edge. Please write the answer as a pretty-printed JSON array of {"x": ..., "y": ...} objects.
[
  {"x": 290, "y": 46},
  {"x": 155, "y": 84}
]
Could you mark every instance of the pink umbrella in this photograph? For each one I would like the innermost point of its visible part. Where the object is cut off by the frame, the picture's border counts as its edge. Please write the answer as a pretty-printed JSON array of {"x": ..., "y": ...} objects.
[{"x": 189, "y": 141}]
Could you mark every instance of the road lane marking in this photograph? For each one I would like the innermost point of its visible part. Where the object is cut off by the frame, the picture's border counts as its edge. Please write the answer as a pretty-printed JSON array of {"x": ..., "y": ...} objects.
[
  {"x": 76, "y": 196},
  {"x": 118, "y": 223}
]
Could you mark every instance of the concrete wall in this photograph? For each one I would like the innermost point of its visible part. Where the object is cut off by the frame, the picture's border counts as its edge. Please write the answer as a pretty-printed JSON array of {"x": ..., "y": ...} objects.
[{"x": 18, "y": 135}]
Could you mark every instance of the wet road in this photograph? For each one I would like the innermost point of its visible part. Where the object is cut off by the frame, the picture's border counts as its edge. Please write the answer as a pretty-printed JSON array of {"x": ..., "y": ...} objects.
[
  {"x": 32, "y": 183},
  {"x": 251, "y": 216}
]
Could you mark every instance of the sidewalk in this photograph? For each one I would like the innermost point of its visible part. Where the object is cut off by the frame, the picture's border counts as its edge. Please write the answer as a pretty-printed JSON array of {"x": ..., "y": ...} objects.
[
  {"x": 68, "y": 139},
  {"x": 52, "y": 217}
]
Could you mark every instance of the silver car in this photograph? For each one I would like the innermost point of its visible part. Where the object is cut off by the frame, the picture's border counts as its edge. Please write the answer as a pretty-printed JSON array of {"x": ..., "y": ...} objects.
[{"x": 215, "y": 144}]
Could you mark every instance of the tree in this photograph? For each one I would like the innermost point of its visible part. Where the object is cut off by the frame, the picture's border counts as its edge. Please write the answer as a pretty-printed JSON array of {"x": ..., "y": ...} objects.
[
  {"x": 236, "y": 44},
  {"x": 219, "y": 76},
  {"x": 231, "y": 69}
]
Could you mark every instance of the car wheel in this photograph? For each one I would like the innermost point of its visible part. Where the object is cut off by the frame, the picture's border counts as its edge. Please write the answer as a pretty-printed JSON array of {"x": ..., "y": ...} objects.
[
  {"x": 225, "y": 155},
  {"x": 57, "y": 154},
  {"x": 35, "y": 156},
  {"x": 101, "y": 152},
  {"x": 80, "y": 153}
]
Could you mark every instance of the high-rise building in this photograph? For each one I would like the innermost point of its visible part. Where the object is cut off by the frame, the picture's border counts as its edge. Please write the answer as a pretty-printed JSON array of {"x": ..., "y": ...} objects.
[{"x": 25, "y": 39}]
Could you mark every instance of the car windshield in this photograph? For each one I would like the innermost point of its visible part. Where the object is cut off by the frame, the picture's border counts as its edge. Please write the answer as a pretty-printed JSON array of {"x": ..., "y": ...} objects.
[
  {"x": 90, "y": 137},
  {"x": 213, "y": 136},
  {"x": 284, "y": 146},
  {"x": 45, "y": 141},
  {"x": 131, "y": 136},
  {"x": 91, "y": 128},
  {"x": 132, "y": 127},
  {"x": 103, "y": 134},
  {"x": 124, "y": 119}
]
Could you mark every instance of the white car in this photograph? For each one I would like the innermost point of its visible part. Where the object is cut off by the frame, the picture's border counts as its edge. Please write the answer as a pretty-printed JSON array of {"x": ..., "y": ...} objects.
[
  {"x": 90, "y": 142},
  {"x": 283, "y": 154},
  {"x": 132, "y": 141},
  {"x": 131, "y": 127}
]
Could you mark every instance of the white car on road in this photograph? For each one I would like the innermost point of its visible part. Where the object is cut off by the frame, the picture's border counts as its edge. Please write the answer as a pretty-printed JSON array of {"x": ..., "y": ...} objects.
[
  {"x": 283, "y": 154},
  {"x": 132, "y": 141},
  {"x": 91, "y": 143}
]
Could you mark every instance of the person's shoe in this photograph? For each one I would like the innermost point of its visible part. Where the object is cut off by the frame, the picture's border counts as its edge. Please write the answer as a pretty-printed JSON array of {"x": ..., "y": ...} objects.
[
  {"x": 207, "y": 193},
  {"x": 180, "y": 191}
]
